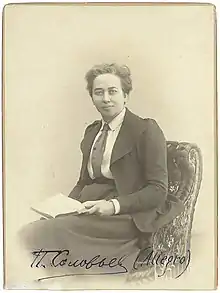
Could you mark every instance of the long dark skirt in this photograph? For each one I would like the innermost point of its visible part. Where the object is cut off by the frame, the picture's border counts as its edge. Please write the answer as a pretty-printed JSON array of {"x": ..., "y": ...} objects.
[{"x": 83, "y": 244}]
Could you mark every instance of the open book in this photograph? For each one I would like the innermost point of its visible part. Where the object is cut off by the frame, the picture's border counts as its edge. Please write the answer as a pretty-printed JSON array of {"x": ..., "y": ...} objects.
[{"x": 58, "y": 205}]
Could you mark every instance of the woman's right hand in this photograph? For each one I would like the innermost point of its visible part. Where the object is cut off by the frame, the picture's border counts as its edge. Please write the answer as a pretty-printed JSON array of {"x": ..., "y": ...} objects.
[
  {"x": 87, "y": 205},
  {"x": 99, "y": 207}
]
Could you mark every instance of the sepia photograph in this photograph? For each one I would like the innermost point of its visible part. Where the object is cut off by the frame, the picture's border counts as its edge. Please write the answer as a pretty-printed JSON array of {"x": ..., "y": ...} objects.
[{"x": 109, "y": 146}]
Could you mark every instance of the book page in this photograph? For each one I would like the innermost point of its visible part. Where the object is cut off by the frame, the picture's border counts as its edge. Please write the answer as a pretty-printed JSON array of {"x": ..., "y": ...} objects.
[{"x": 57, "y": 205}]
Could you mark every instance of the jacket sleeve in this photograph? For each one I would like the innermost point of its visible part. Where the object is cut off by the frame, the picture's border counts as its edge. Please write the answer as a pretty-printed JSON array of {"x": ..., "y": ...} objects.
[
  {"x": 152, "y": 154},
  {"x": 75, "y": 193}
]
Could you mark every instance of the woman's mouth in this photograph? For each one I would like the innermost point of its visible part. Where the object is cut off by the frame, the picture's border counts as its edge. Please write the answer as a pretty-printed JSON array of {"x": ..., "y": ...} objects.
[{"x": 106, "y": 107}]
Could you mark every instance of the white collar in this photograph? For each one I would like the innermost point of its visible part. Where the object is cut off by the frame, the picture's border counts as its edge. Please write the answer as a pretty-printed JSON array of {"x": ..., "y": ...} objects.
[{"x": 117, "y": 121}]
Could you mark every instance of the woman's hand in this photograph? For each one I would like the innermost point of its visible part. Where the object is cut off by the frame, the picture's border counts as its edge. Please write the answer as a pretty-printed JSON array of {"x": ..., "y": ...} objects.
[{"x": 99, "y": 207}]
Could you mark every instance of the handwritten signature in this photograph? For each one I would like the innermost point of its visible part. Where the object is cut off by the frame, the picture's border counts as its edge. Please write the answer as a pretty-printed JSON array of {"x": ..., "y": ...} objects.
[
  {"x": 59, "y": 259},
  {"x": 162, "y": 260}
]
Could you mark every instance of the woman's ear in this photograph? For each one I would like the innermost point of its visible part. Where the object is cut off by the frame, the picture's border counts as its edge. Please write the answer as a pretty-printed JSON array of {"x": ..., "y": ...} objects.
[{"x": 126, "y": 98}]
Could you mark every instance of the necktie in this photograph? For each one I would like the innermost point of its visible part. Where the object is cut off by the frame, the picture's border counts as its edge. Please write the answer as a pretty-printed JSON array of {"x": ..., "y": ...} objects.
[{"x": 98, "y": 151}]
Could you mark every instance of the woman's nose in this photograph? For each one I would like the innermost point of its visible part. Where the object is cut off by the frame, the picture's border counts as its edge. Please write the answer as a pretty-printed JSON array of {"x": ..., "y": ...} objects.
[{"x": 106, "y": 97}]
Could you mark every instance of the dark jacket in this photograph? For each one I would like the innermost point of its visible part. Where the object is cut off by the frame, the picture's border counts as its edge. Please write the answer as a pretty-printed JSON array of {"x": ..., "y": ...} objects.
[{"x": 139, "y": 168}]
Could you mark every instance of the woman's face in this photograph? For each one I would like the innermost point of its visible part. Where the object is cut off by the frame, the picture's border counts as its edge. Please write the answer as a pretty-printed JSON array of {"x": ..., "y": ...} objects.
[{"x": 108, "y": 96}]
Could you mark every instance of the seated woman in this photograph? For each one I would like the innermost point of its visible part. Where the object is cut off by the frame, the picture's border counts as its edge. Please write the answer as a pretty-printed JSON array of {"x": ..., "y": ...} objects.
[{"x": 123, "y": 184}]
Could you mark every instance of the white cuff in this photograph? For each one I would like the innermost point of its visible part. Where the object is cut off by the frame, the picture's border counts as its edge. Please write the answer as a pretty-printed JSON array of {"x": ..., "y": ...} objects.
[{"x": 116, "y": 205}]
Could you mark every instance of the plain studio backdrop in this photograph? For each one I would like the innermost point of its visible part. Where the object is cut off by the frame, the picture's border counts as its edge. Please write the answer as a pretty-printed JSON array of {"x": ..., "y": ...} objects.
[{"x": 47, "y": 51}]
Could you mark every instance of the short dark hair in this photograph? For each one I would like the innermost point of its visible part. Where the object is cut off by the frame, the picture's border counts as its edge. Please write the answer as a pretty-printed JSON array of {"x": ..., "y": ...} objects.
[{"x": 123, "y": 72}]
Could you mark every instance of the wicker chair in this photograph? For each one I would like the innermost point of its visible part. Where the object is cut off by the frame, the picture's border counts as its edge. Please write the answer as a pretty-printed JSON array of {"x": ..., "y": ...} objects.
[{"x": 185, "y": 174}]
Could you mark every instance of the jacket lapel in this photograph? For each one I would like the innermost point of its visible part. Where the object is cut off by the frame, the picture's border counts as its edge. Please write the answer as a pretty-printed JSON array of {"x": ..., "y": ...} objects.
[
  {"x": 131, "y": 128},
  {"x": 129, "y": 133},
  {"x": 88, "y": 141}
]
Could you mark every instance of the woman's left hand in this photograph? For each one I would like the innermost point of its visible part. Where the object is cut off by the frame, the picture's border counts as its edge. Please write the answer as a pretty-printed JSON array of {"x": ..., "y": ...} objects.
[{"x": 99, "y": 207}]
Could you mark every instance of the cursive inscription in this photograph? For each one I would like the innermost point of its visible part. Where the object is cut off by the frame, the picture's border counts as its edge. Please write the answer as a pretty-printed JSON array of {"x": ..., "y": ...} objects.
[
  {"x": 147, "y": 257},
  {"x": 59, "y": 258},
  {"x": 98, "y": 265}
]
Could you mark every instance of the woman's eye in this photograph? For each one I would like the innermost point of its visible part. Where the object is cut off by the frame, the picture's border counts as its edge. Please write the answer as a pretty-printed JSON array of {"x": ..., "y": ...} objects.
[
  {"x": 98, "y": 93},
  {"x": 112, "y": 92}
]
